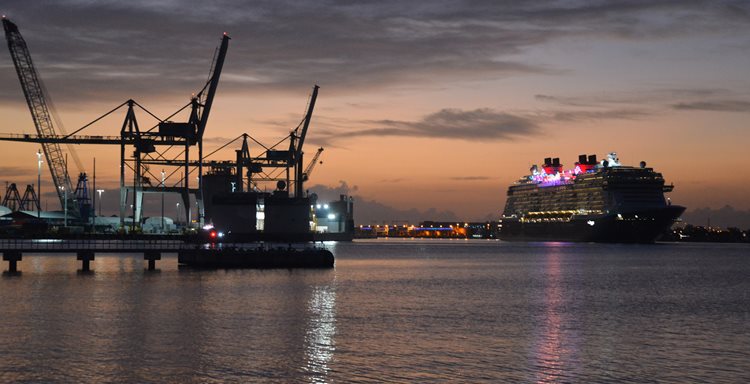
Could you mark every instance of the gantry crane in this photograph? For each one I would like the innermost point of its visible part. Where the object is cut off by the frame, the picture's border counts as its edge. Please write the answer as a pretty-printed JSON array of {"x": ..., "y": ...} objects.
[
  {"x": 169, "y": 135},
  {"x": 40, "y": 113}
]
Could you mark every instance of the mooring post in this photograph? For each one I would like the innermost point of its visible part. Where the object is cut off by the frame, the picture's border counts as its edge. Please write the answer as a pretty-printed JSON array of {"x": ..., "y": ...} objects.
[
  {"x": 12, "y": 257},
  {"x": 85, "y": 257},
  {"x": 151, "y": 256}
]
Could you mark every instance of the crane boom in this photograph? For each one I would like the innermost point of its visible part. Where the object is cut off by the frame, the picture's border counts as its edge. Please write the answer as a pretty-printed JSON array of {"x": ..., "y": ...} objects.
[
  {"x": 298, "y": 141},
  {"x": 35, "y": 98},
  {"x": 308, "y": 170}
]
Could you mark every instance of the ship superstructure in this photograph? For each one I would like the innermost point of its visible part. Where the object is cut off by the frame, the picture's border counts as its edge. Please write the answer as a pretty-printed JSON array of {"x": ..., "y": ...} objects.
[{"x": 592, "y": 201}]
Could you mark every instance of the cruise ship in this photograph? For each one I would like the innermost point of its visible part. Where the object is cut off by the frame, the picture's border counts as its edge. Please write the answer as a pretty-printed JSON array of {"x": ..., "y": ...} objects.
[{"x": 593, "y": 201}]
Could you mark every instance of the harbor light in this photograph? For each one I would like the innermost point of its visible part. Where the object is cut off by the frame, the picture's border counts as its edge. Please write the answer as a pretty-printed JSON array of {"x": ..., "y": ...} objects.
[
  {"x": 100, "y": 191},
  {"x": 39, "y": 181}
]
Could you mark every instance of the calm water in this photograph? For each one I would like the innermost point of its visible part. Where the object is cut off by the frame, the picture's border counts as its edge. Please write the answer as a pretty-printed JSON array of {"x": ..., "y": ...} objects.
[{"x": 391, "y": 310}]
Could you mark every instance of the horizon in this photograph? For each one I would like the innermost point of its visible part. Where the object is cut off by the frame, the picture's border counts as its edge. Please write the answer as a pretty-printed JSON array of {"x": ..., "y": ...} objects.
[{"x": 423, "y": 107}]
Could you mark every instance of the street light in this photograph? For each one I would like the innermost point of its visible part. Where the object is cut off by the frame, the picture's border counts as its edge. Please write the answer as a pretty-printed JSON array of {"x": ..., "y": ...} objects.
[
  {"x": 39, "y": 184},
  {"x": 178, "y": 214},
  {"x": 100, "y": 191},
  {"x": 162, "y": 200},
  {"x": 65, "y": 205}
]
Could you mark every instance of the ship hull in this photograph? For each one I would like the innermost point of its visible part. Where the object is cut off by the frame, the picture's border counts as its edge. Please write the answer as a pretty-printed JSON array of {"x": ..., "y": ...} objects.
[{"x": 642, "y": 226}]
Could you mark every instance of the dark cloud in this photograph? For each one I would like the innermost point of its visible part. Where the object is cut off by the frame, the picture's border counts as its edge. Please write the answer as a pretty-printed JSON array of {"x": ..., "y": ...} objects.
[
  {"x": 113, "y": 50},
  {"x": 629, "y": 104},
  {"x": 618, "y": 114},
  {"x": 717, "y": 105},
  {"x": 470, "y": 178},
  {"x": 394, "y": 180},
  {"x": 635, "y": 97},
  {"x": 10, "y": 173},
  {"x": 565, "y": 101},
  {"x": 476, "y": 125}
]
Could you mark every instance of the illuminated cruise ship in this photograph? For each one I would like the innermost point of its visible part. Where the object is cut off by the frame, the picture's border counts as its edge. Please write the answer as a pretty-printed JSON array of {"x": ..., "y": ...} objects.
[{"x": 601, "y": 201}]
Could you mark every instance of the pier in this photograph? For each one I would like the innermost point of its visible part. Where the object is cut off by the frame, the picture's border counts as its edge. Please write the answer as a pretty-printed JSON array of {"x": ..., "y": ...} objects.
[
  {"x": 87, "y": 248},
  {"x": 190, "y": 250}
]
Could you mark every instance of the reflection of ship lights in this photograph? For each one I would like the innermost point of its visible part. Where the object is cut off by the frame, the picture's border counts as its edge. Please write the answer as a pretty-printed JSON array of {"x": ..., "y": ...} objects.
[{"x": 550, "y": 349}]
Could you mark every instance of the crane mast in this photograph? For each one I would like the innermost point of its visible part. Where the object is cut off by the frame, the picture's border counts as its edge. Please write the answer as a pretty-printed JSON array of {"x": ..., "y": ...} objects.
[{"x": 35, "y": 98}]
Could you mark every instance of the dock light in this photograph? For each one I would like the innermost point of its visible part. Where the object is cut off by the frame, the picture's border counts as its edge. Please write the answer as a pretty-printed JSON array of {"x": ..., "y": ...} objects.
[
  {"x": 65, "y": 209},
  {"x": 325, "y": 206},
  {"x": 331, "y": 216},
  {"x": 38, "y": 181},
  {"x": 317, "y": 206},
  {"x": 100, "y": 191}
]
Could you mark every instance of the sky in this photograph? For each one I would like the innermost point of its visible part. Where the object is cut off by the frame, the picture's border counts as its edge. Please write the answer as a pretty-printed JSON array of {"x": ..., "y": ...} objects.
[{"x": 427, "y": 109}]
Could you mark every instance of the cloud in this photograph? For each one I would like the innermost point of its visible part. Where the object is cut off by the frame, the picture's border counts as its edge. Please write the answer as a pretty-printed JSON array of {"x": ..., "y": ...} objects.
[
  {"x": 470, "y": 178},
  {"x": 484, "y": 124},
  {"x": 110, "y": 50},
  {"x": 629, "y": 104},
  {"x": 474, "y": 125},
  {"x": 394, "y": 180},
  {"x": 566, "y": 101},
  {"x": 619, "y": 114},
  {"x": 10, "y": 173},
  {"x": 716, "y": 105}
]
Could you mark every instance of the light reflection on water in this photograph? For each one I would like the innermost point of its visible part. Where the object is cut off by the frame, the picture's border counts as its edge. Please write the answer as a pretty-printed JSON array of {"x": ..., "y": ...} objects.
[
  {"x": 319, "y": 341},
  {"x": 391, "y": 311},
  {"x": 550, "y": 345}
]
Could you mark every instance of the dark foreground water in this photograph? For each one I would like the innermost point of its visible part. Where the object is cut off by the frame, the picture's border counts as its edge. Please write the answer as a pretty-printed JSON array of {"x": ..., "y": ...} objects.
[{"x": 395, "y": 311}]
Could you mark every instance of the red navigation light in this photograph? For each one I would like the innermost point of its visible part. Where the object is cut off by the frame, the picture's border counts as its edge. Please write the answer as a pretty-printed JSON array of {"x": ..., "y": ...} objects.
[{"x": 212, "y": 234}]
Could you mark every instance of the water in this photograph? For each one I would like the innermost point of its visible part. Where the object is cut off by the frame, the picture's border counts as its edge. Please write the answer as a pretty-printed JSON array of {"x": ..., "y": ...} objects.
[{"x": 391, "y": 310}]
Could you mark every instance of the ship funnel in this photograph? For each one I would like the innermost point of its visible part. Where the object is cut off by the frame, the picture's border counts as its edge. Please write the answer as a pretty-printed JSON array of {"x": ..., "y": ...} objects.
[
  {"x": 581, "y": 159},
  {"x": 592, "y": 159},
  {"x": 547, "y": 161},
  {"x": 556, "y": 162}
]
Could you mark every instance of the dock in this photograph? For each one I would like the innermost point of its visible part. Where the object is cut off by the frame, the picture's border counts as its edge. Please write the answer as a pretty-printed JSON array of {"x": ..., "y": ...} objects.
[{"x": 190, "y": 252}]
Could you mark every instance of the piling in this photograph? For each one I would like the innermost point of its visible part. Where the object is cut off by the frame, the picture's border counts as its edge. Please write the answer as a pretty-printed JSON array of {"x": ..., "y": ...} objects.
[
  {"x": 12, "y": 257},
  {"x": 151, "y": 256},
  {"x": 86, "y": 257}
]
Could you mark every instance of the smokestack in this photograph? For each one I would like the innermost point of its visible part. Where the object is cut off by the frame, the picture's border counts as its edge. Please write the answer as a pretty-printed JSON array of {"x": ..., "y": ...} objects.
[
  {"x": 547, "y": 161},
  {"x": 592, "y": 159},
  {"x": 556, "y": 161},
  {"x": 581, "y": 159}
]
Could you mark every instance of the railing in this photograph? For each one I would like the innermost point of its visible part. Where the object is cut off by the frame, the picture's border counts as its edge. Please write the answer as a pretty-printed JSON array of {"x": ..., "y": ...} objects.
[
  {"x": 106, "y": 245},
  {"x": 26, "y": 136}
]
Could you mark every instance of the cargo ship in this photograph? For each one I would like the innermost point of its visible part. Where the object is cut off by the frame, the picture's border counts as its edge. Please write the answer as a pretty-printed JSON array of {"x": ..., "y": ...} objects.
[{"x": 593, "y": 201}]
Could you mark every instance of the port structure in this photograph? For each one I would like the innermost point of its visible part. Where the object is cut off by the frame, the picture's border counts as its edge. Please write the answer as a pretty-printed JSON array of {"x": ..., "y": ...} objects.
[
  {"x": 34, "y": 93},
  {"x": 166, "y": 143},
  {"x": 283, "y": 166},
  {"x": 15, "y": 202}
]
